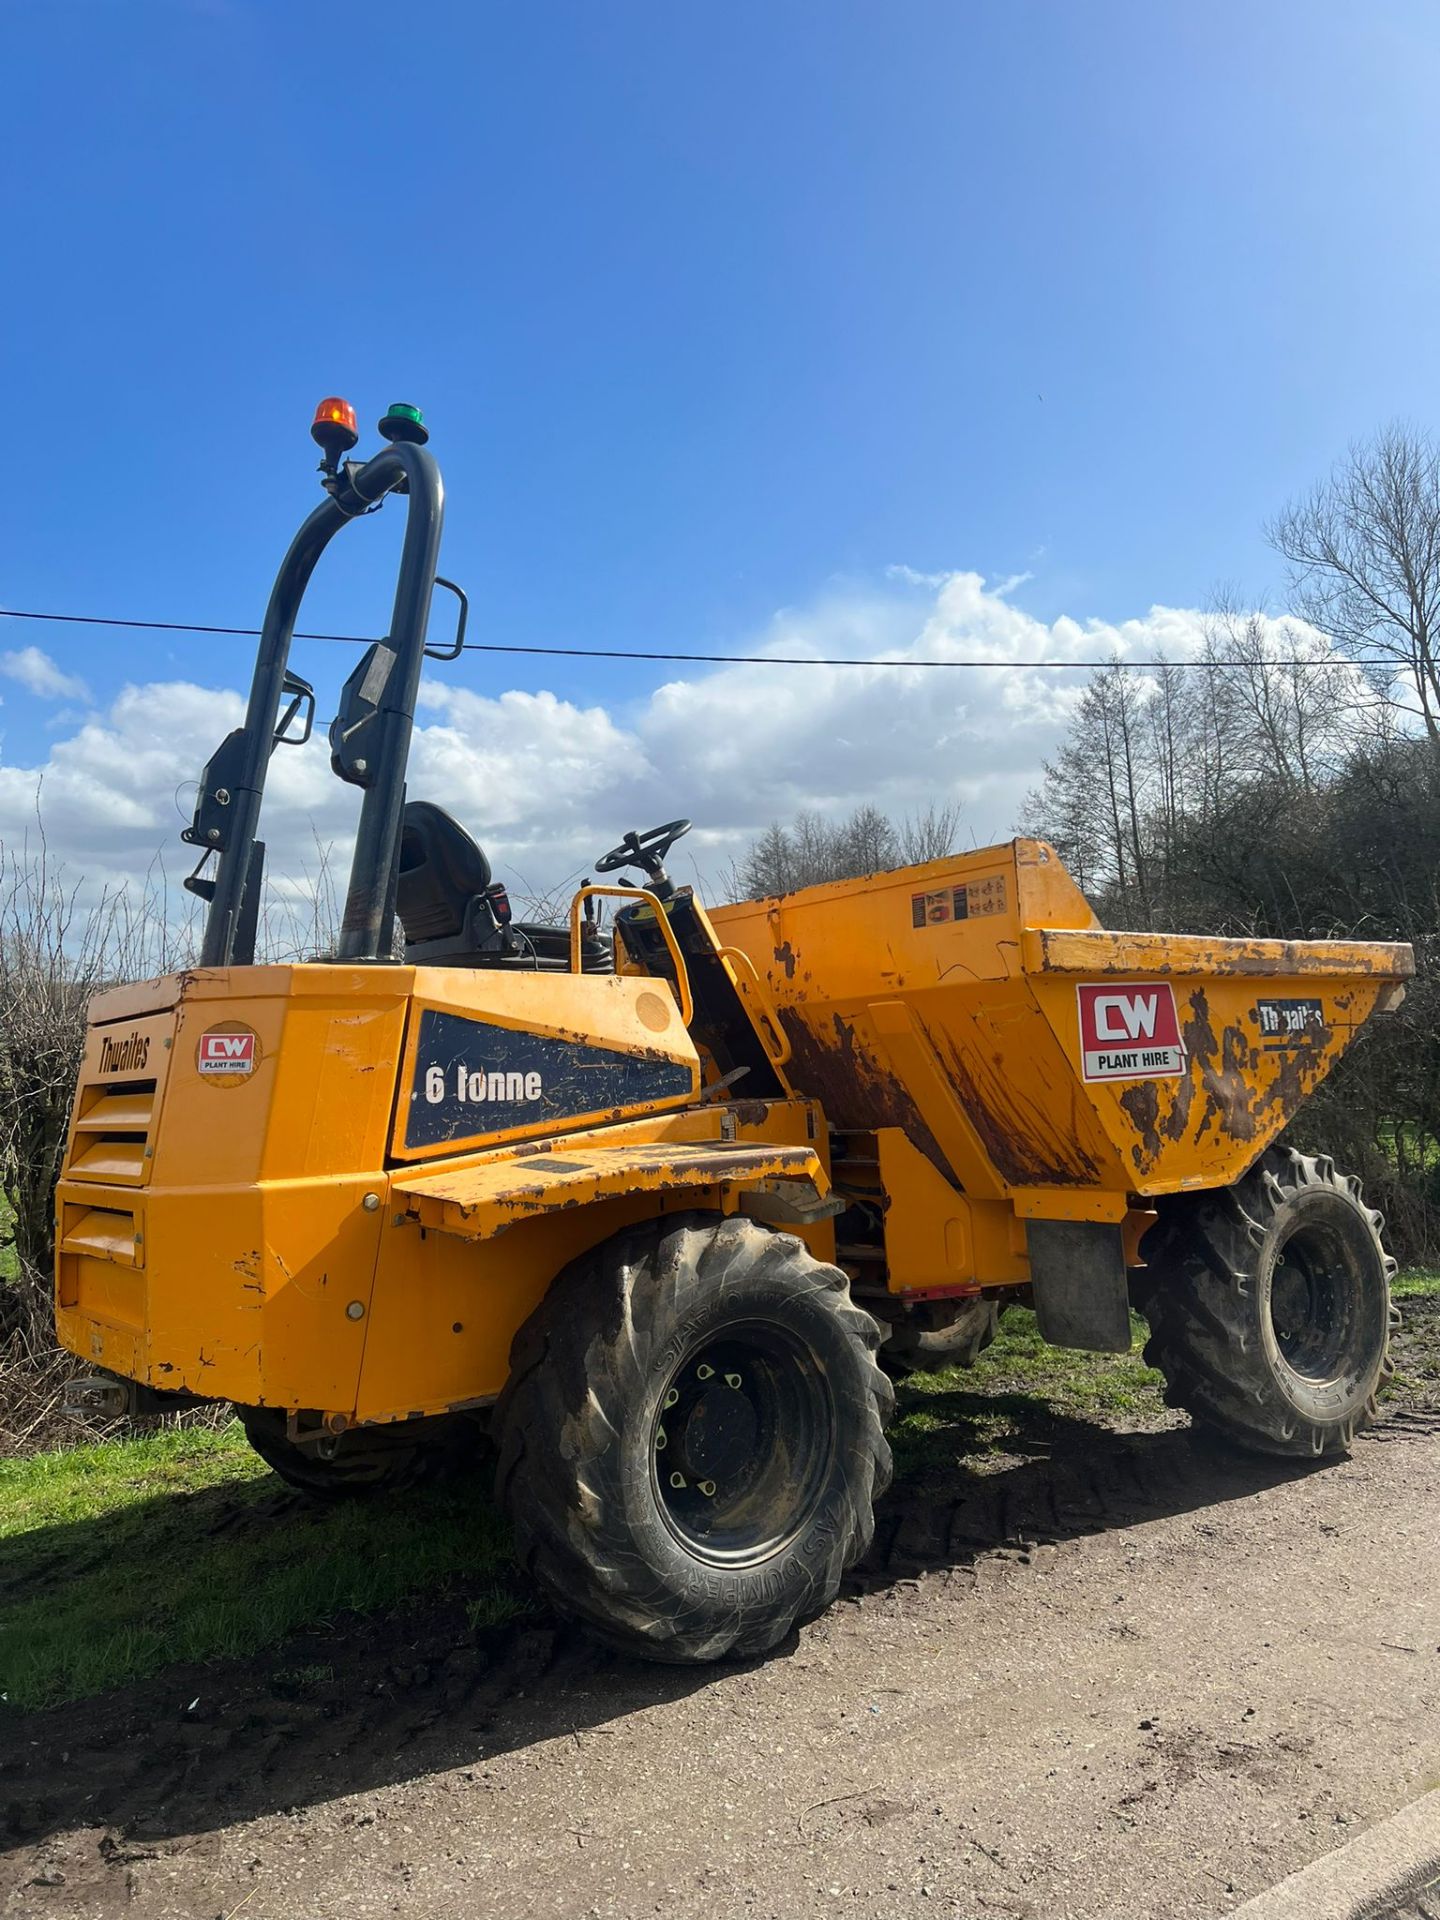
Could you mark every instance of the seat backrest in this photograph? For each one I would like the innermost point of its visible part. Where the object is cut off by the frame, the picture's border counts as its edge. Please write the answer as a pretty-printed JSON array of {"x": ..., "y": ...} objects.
[{"x": 441, "y": 871}]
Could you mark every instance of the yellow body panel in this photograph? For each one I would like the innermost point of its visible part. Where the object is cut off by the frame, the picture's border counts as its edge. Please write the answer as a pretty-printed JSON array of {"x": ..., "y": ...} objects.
[
  {"x": 454, "y": 1285},
  {"x": 1203, "y": 1127},
  {"x": 937, "y": 1239}
]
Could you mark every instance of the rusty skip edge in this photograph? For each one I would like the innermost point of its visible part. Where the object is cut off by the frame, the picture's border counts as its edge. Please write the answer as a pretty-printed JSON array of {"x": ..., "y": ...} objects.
[{"x": 1066, "y": 950}]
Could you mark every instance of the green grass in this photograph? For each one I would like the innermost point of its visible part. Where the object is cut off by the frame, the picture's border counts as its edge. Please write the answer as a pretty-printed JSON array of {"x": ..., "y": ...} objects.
[
  {"x": 9, "y": 1267},
  {"x": 117, "y": 1561},
  {"x": 1001, "y": 1408},
  {"x": 1078, "y": 1383},
  {"x": 988, "y": 1414}
]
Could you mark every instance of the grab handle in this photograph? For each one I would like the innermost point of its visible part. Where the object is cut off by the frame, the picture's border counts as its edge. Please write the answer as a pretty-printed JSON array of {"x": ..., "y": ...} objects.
[
  {"x": 682, "y": 975},
  {"x": 781, "y": 1051}
]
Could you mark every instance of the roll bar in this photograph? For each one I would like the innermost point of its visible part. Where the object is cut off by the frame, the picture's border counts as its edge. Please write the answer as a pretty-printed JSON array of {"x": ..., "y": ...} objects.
[{"x": 227, "y": 812}]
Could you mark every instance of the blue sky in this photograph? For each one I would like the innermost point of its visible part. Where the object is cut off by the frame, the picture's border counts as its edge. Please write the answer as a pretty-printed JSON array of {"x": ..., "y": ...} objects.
[{"x": 714, "y": 311}]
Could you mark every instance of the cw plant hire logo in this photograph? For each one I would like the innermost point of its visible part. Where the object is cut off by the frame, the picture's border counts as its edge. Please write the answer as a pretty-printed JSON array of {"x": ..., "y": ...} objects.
[
  {"x": 1130, "y": 1031},
  {"x": 227, "y": 1053}
]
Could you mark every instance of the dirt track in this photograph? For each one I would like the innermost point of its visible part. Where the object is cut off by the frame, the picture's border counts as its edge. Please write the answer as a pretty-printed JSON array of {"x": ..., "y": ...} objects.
[{"x": 1126, "y": 1676}]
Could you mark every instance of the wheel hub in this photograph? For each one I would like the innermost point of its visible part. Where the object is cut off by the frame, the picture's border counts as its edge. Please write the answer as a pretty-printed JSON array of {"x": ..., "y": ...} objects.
[
  {"x": 719, "y": 1435},
  {"x": 1291, "y": 1306},
  {"x": 741, "y": 1444},
  {"x": 1317, "y": 1312}
]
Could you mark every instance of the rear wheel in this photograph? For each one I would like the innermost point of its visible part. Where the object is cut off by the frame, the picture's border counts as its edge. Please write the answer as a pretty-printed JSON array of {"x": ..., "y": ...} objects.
[
  {"x": 364, "y": 1460},
  {"x": 1269, "y": 1306},
  {"x": 692, "y": 1437},
  {"x": 940, "y": 1333}
]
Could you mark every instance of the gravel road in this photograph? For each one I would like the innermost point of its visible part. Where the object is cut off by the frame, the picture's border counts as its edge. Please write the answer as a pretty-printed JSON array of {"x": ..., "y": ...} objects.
[{"x": 1128, "y": 1676}]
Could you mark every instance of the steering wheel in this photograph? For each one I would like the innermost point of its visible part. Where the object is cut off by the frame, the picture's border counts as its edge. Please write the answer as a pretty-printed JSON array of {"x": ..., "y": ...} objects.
[{"x": 644, "y": 850}]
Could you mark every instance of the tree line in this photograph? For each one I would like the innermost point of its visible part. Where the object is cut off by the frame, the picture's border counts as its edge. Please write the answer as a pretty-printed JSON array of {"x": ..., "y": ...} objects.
[
  {"x": 1290, "y": 786},
  {"x": 1285, "y": 784}
]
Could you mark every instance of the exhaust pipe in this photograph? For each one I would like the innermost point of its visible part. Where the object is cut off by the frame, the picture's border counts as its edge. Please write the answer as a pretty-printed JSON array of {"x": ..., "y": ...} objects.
[
  {"x": 104, "y": 1396},
  {"x": 97, "y": 1393}
]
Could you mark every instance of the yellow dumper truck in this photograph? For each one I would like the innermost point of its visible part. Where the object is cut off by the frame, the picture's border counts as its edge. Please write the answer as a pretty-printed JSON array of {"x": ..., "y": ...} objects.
[{"x": 664, "y": 1202}]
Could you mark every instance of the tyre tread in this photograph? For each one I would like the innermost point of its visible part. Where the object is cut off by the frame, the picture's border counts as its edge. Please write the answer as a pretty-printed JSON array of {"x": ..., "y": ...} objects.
[
  {"x": 1197, "y": 1297},
  {"x": 580, "y": 1360}
]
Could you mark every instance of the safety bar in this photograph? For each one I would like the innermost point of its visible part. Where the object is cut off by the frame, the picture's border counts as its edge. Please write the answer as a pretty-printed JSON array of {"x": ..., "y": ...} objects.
[
  {"x": 367, "y": 924},
  {"x": 781, "y": 1051},
  {"x": 682, "y": 974}
]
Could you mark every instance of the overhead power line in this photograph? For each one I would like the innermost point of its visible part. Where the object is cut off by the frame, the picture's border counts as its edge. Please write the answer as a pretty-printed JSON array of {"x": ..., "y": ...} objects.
[{"x": 684, "y": 659}]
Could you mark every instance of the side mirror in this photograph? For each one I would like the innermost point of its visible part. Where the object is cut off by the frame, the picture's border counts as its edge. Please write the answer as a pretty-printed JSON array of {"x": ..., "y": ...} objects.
[{"x": 297, "y": 721}]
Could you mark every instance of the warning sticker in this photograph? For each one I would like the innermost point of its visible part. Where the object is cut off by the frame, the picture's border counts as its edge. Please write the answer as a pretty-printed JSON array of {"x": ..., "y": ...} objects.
[
  {"x": 985, "y": 896},
  {"x": 1130, "y": 1031},
  {"x": 228, "y": 1053},
  {"x": 934, "y": 909},
  {"x": 970, "y": 902}
]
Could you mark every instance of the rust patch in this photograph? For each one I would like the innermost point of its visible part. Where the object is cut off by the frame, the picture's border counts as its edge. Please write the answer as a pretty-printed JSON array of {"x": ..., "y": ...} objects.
[
  {"x": 1228, "y": 1081},
  {"x": 1177, "y": 1121},
  {"x": 785, "y": 957},
  {"x": 853, "y": 1093},
  {"x": 750, "y": 1113},
  {"x": 1018, "y": 1135},
  {"x": 1157, "y": 1118},
  {"x": 1141, "y": 1105},
  {"x": 1230, "y": 1086},
  {"x": 1296, "y": 1078},
  {"x": 1198, "y": 1034}
]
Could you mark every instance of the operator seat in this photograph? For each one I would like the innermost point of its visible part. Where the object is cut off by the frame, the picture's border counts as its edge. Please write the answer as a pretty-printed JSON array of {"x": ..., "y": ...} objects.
[{"x": 454, "y": 915}]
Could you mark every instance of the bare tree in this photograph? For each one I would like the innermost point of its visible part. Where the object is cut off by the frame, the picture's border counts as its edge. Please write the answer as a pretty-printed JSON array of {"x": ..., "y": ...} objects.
[
  {"x": 772, "y": 865},
  {"x": 866, "y": 843},
  {"x": 812, "y": 850},
  {"x": 1097, "y": 796},
  {"x": 929, "y": 834},
  {"x": 61, "y": 942},
  {"x": 1290, "y": 702},
  {"x": 1363, "y": 548},
  {"x": 55, "y": 952}
]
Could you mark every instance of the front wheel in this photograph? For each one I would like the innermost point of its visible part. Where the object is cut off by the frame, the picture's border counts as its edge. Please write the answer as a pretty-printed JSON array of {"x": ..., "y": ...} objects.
[
  {"x": 1269, "y": 1306},
  {"x": 692, "y": 1437}
]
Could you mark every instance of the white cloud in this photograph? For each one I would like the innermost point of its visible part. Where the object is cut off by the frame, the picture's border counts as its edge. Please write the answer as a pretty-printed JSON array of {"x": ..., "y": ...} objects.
[
  {"x": 38, "y": 674},
  {"x": 546, "y": 783}
]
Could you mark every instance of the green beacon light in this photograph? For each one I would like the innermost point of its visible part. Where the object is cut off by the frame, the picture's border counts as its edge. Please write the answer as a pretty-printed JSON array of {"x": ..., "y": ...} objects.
[{"x": 404, "y": 422}]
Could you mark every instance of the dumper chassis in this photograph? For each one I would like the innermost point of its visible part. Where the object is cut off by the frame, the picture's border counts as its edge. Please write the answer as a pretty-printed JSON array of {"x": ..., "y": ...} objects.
[{"x": 662, "y": 1203}]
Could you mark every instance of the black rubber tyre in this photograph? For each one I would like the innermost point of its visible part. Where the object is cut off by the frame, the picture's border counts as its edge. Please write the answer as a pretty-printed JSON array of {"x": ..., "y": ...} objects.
[
  {"x": 939, "y": 1334},
  {"x": 366, "y": 1460},
  {"x": 692, "y": 1437},
  {"x": 1269, "y": 1306}
]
